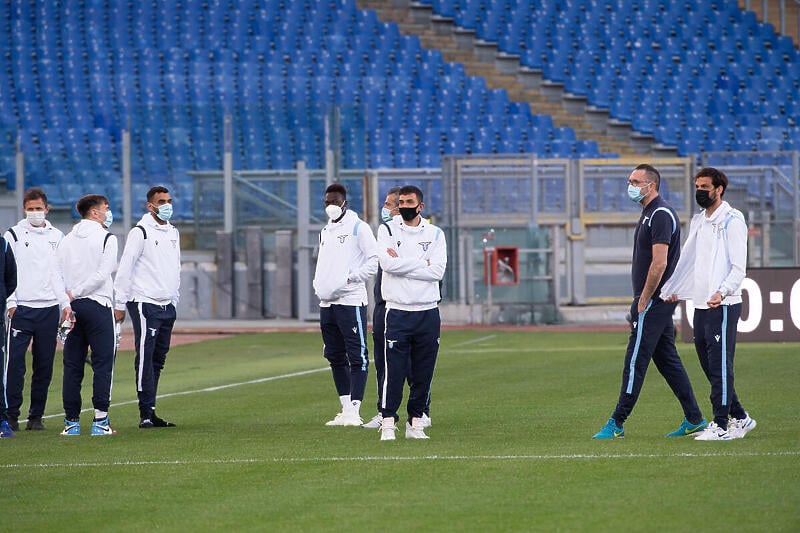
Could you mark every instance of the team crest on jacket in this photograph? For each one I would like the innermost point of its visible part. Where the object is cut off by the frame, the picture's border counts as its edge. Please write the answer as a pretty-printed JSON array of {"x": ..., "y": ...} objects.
[
  {"x": 342, "y": 238},
  {"x": 52, "y": 244},
  {"x": 425, "y": 245}
]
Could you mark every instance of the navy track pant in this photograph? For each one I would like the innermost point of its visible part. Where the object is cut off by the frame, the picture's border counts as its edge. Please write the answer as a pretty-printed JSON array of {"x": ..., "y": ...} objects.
[
  {"x": 152, "y": 332},
  {"x": 653, "y": 337},
  {"x": 411, "y": 347},
  {"x": 378, "y": 348},
  {"x": 94, "y": 328},
  {"x": 3, "y": 397},
  {"x": 41, "y": 325},
  {"x": 715, "y": 343},
  {"x": 344, "y": 333}
]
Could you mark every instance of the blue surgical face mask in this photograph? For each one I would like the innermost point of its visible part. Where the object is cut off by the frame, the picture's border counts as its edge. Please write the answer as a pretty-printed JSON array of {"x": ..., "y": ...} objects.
[
  {"x": 635, "y": 193},
  {"x": 109, "y": 219},
  {"x": 165, "y": 212},
  {"x": 386, "y": 214}
]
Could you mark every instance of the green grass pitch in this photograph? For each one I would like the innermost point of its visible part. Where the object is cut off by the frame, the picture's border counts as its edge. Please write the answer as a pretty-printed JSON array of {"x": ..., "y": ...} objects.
[{"x": 510, "y": 448}]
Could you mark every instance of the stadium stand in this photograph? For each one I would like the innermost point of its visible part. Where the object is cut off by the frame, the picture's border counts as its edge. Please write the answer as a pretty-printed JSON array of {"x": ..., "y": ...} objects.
[
  {"x": 75, "y": 72},
  {"x": 696, "y": 75}
]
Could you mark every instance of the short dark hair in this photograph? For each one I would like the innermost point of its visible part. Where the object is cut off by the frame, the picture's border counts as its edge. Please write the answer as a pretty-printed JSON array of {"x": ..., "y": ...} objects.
[
  {"x": 411, "y": 189},
  {"x": 394, "y": 191},
  {"x": 89, "y": 202},
  {"x": 652, "y": 174},
  {"x": 718, "y": 177},
  {"x": 34, "y": 193},
  {"x": 337, "y": 187},
  {"x": 155, "y": 190}
]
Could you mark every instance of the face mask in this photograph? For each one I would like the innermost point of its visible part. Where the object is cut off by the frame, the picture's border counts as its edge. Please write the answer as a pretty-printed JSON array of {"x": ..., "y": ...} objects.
[
  {"x": 409, "y": 213},
  {"x": 109, "y": 219},
  {"x": 386, "y": 214},
  {"x": 703, "y": 198},
  {"x": 635, "y": 193},
  {"x": 35, "y": 218},
  {"x": 334, "y": 212},
  {"x": 165, "y": 212}
]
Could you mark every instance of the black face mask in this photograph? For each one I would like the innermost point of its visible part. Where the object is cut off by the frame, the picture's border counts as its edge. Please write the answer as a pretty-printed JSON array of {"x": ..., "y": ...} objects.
[
  {"x": 703, "y": 198},
  {"x": 409, "y": 213}
]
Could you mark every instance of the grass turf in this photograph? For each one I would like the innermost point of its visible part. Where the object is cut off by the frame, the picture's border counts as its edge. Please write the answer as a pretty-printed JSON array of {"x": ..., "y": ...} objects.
[{"x": 510, "y": 448}]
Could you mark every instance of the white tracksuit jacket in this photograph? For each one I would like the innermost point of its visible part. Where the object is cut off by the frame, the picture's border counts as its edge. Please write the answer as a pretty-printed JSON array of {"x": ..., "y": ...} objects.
[
  {"x": 86, "y": 261},
  {"x": 150, "y": 268},
  {"x": 347, "y": 258},
  {"x": 35, "y": 251},
  {"x": 411, "y": 280},
  {"x": 714, "y": 258}
]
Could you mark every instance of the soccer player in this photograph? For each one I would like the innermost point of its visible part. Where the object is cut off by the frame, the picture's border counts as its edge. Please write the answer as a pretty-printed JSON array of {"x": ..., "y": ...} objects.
[
  {"x": 656, "y": 249},
  {"x": 87, "y": 257},
  {"x": 347, "y": 258},
  {"x": 8, "y": 283},
  {"x": 710, "y": 273},
  {"x": 33, "y": 309},
  {"x": 413, "y": 256},
  {"x": 147, "y": 285},
  {"x": 388, "y": 211}
]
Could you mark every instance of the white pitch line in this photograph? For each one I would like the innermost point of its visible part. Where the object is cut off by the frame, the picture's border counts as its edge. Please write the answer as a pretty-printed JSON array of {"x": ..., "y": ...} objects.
[
  {"x": 545, "y": 457},
  {"x": 473, "y": 341},
  {"x": 548, "y": 350},
  {"x": 210, "y": 389}
]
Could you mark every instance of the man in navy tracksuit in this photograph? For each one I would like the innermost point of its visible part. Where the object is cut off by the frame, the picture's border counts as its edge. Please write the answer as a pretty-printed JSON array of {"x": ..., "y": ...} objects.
[
  {"x": 33, "y": 309},
  {"x": 8, "y": 283},
  {"x": 87, "y": 257},
  {"x": 347, "y": 259},
  {"x": 656, "y": 250},
  {"x": 413, "y": 255},
  {"x": 147, "y": 285}
]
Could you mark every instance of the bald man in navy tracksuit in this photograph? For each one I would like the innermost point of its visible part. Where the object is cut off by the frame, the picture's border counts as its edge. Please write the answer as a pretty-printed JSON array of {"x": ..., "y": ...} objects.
[{"x": 656, "y": 250}]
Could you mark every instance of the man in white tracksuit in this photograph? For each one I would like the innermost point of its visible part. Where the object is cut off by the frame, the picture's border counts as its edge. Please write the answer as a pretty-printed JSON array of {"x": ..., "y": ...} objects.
[
  {"x": 87, "y": 257},
  {"x": 33, "y": 308},
  {"x": 347, "y": 258},
  {"x": 710, "y": 272},
  {"x": 413, "y": 257},
  {"x": 147, "y": 285}
]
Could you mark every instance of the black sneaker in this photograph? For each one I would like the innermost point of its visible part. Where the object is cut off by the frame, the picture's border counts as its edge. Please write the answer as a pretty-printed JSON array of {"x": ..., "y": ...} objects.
[
  {"x": 160, "y": 422},
  {"x": 146, "y": 423},
  {"x": 13, "y": 421},
  {"x": 35, "y": 424}
]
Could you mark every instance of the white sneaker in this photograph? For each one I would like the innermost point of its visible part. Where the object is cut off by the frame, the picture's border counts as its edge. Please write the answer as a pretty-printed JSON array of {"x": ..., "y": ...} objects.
[
  {"x": 426, "y": 421},
  {"x": 739, "y": 427},
  {"x": 388, "y": 428},
  {"x": 374, "y": 422},
  {"x": 714, "y": 432},
  {"x": 416, "y": 429},
  {"x": 345, "y": 418}
]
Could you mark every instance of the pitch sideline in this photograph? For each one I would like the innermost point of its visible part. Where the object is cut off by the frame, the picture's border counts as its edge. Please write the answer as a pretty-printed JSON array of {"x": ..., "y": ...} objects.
[{"x": 286, "y": 460}]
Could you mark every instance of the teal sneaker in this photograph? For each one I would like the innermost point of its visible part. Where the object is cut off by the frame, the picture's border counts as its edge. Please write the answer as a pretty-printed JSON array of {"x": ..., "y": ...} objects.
[
  {"x": 610, "y": 431},
  {"x": 687, "y": 428},
  {"x": 102, "y": 427},
  {"x": 71, "y": 427}
]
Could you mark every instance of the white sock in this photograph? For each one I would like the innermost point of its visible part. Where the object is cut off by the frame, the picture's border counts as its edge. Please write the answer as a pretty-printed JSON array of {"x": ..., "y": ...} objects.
[
  {"x": 356, "y": 407},
  {"x": 100, "y": 415},
  {"x": 345, "y": 402}
]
